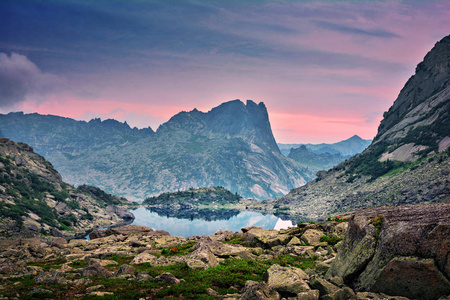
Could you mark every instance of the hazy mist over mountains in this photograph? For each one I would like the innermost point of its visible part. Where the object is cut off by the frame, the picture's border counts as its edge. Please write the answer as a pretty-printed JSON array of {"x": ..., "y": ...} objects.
[{"x": 232, "y": 146}]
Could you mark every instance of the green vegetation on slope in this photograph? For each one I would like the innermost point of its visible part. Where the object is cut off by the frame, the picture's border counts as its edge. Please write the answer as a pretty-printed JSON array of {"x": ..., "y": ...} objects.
[
  {"x": 227, "y": 278},
  {"x": 202, "y": 196},
  {"x": 28, "y": 191},
  {"x": 103, "y": 199}
]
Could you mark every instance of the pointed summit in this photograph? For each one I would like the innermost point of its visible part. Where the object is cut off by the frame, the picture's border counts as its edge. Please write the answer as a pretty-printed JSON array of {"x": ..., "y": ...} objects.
[{"x": 431, "y": 77}]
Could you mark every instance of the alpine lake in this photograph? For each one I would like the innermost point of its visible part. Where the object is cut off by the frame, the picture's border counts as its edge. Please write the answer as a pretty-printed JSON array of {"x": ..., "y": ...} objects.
[{"x": 189, "y": 222}]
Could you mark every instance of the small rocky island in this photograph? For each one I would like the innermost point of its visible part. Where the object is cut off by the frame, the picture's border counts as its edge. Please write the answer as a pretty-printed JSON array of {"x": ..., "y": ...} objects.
[{"x": 377, "y": 253}]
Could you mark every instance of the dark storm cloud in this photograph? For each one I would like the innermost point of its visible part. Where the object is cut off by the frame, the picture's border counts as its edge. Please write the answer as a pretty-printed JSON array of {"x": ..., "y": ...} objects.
[{"x": 20, "y": 77}]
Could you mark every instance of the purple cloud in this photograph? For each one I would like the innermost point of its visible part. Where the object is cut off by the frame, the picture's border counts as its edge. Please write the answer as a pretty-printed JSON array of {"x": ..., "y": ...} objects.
[{"x": 20, "y": 78}]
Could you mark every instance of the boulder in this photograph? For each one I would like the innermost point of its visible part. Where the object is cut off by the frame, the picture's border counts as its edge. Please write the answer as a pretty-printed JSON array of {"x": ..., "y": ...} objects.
[
  {"x": 143, "y": 258},
  {"x": 345, "y": 293},
  {"x": 288, "y": 281},
  {"x": 259, "y": 291},
  {"x": 143, "y": 276},
  {"x": 396, "y": 278},
  {"x": 126, "y": 230},
  {"x": 202, "y": 258},
  {"x": 52, "y": 277},
  {"x": 125, "y": 270},
  {"x": 400, "y": 251},
  {"x": 312, "y": 236},
  {"x": 323, "y": 286},
  {"x": 322, "y": 268},
  {"x": 167, "y": 278},
  {"x": 265, "y": 238},
  {"x": 95, "y": 269},
  {"x": 59, "y": 242},
  {"x": 303, "y": 250},
  {"x": 226, "y": 250},
  {"x": 309, "y": 295},
  {"x": 295, "y": 241},
  {"x": 121, "y": 212}
]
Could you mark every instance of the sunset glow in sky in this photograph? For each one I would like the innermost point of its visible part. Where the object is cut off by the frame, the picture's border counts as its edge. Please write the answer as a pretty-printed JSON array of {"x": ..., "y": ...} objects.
[{"x": 326, "y": 70}]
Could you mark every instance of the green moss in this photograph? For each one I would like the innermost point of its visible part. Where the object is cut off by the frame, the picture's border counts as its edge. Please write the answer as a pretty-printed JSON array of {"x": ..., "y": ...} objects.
[
  {"x": 234, "y": 240},
  {"x": 377, "y": 222},
  {"x": 330, "y": 240},
  {"x": 178, "y": 250}
]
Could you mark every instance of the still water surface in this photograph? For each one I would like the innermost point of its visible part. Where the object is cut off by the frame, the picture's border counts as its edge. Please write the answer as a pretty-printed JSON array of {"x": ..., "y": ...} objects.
[{"x": 186, "y": 227}]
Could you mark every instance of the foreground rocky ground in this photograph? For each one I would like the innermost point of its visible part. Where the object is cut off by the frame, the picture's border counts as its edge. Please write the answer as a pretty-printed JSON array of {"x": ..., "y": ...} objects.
[{"x": 402, "y": 252}]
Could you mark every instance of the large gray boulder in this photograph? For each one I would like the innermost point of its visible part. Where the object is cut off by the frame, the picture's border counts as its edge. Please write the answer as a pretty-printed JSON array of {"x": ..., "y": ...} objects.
[
  {"x": 202, "y": 258},
  {"x": 288, "y": 281},
  {"x": 265, "y": 238},
  {"x": 259, "y": 291},
  {"x": 399, "y": 251}
]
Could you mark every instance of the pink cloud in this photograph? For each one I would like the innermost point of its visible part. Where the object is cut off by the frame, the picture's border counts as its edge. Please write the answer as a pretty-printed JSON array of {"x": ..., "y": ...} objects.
[
  {"x": 303, "y": 128},
  {"x": 139, "y": 115}
]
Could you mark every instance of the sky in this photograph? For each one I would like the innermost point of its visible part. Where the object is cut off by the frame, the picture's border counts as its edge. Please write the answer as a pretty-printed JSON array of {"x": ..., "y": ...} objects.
[{"x": 326, "y": 70}]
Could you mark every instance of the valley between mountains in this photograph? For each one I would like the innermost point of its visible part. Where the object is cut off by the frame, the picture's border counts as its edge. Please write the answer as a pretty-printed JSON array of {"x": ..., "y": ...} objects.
[{"x": 375, "y": 226}]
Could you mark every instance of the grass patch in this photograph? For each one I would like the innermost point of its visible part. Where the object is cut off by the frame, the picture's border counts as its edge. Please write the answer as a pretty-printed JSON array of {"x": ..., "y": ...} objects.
[
  {"x": 178, "y": 250},
  {"x": 330, "y": 240},
  {"x": 377, "y": 222},
  {"x": 237, "y": 240},
  {"x": 47, "y": 265}
]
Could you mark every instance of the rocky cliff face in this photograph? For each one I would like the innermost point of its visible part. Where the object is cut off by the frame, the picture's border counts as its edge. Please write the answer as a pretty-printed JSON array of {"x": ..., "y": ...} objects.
[
  {"x": 34, "y": 200},
  {"x": 430, "y": 80},
  {"x": 399, "y": 251},
  {"x": 231, "y": 146},
  {"x": 408, "y": 161}
]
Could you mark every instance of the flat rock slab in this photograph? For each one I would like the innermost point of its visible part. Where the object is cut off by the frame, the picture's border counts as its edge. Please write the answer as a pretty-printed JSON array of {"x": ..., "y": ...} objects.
[{"x": 127, "y": 230}]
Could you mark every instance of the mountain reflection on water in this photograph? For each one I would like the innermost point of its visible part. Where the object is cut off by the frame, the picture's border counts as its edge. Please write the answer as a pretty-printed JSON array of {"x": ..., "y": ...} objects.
[
  {"x": 191, "y": 214},
  {"x": 190, "y": 222}
]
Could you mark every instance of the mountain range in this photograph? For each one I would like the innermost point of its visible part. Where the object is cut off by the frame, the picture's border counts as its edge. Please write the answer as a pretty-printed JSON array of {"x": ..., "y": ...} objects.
[
  {"x": 231, "y": 146},
  {"x": 345, "y": 148},
  {"x": 317, "y": 157},
  {"x": 408, "y": 161}
]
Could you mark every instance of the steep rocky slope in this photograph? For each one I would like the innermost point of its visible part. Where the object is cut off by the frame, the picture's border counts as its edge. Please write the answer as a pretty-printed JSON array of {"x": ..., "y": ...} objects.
[
  {"x": 231, "y": 146},
  {"x": 408, "y": 161},
  {"x": 34, "y": 199}
]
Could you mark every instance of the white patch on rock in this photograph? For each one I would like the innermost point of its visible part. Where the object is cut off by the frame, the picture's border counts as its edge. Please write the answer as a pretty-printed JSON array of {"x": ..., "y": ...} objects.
[
  {"x": 282, "y": 224},
  {"x": 444, "y": 143},
  {"x": 404, "y": 153}
]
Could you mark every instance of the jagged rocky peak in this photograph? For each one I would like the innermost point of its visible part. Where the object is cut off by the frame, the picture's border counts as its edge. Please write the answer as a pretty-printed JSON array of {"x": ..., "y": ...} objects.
[
  {"x": 431, "y": 77},
  {"x": 230, "y": 119},
  {"x": 250, "y": 121}
]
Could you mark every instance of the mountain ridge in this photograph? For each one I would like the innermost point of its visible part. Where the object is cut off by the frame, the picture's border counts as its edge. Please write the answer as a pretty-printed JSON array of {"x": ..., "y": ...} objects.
[
  {"x": 407, "y": 163},
  {"x": 343, "y": 147},
  {"x": 232, "y": 145}
]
